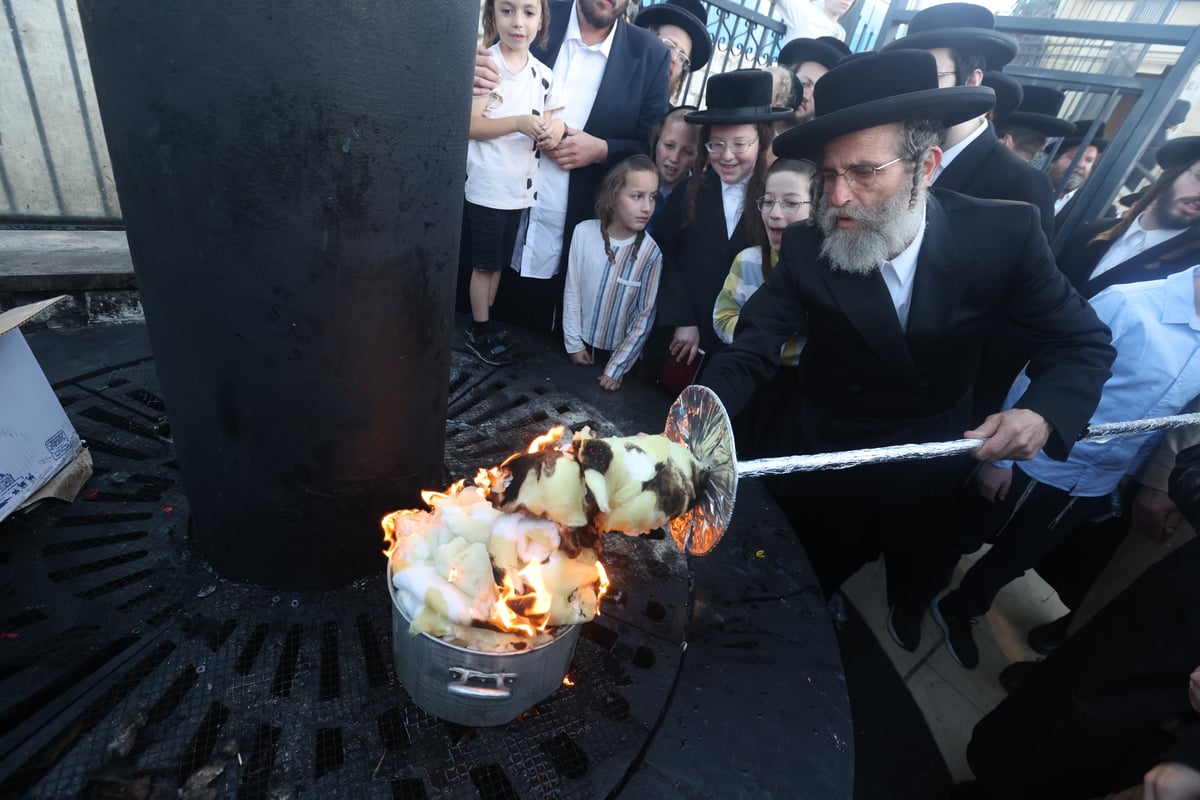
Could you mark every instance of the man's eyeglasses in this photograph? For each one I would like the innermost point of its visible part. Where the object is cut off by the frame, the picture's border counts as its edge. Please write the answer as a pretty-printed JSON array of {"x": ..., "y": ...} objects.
[
  {"x": 789, "y": 206},
  {"x": 945, "y": 74},
  {"x": 737, "y": 148},
  {"x": 677, "y": 52},
  {"x": 860, "y": 176}
]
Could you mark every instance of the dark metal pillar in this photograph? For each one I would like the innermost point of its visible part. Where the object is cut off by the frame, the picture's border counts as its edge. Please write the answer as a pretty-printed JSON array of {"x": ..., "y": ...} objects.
[{"x": 290, "y": 174}]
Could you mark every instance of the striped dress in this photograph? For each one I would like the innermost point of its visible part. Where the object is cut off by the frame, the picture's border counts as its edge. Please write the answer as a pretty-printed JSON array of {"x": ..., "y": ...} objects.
[{"x": 610, "y": 305}]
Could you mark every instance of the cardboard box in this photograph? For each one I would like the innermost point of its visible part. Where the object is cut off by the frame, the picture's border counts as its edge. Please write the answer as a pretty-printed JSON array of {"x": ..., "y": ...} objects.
[{"x": 36, "y": 438}]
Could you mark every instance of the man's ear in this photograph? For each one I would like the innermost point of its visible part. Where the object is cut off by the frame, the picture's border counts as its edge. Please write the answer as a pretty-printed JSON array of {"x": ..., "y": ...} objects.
[
  {"x": 975, "y": 78},
  {"x": 1007, "y": 139},
  {"x": 930, "y": 165}
]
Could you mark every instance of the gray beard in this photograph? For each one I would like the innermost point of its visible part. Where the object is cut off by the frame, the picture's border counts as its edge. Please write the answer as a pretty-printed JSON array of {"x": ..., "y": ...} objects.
[{"x": 888, "y": 229}]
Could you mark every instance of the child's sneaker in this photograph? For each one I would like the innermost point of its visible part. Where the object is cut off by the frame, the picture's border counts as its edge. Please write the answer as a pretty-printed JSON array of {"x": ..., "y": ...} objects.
[
  {"x": 498, "y": 334},
  {"x": 489, "y": 350}
]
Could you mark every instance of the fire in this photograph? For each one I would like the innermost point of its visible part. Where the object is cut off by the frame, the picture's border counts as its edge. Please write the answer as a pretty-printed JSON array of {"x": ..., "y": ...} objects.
[
  {"x": 524, "y": 604},
  {"x": 477, "y": 567}
]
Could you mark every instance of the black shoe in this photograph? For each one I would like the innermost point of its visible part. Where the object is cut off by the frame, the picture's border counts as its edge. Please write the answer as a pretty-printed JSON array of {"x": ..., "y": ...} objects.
[
  {"x": 960, "y": 641},
  {"x": 499, "y": 334},
  {"x": 1016, "y": 674},
  {"x": 904, "y": 624},
  {"x": 490, "y": 351},
  {"x": 1046, "y": 638}
]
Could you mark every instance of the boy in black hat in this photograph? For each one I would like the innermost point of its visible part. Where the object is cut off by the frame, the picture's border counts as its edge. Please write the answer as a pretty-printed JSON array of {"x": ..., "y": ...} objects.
[
  {"x": 1025, "y": 130},
  {"x": 897, "y": 289},
  {"x": 963, "y": 39},
  {"x": 810, "y": 59},
  {"x": 681, "y": 25}
]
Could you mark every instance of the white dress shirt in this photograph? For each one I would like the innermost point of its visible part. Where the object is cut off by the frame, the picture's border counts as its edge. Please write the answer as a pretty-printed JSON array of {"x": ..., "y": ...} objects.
[
  {"x": 578, "y": 71},
  {"x": 1133, "y": 241},
  {"x": 733, "y": 197},
  {"x": 951, "y": 153},
  {"x": 898, "y": 276}
]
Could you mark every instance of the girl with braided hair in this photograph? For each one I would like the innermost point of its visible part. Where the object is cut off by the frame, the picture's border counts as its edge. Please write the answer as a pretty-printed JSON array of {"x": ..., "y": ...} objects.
[{"x": 613, "y": 270}]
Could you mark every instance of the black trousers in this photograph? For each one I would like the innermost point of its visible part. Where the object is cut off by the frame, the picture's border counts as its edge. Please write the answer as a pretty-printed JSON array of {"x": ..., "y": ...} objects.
[{"x": 1045, "y": 517}]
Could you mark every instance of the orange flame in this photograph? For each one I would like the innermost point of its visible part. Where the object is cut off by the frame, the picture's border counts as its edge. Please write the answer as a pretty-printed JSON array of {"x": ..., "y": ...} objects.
[{"x": 524, "y": 604}]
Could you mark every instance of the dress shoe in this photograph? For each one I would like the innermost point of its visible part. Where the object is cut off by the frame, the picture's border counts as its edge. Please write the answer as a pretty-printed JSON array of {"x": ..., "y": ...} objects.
[
  {"x": 1046, "y": 638},
  {"x": 1016, "y": 673},
  {"x": 904, "y": 625},
  {"x": 960, "y": 640}
]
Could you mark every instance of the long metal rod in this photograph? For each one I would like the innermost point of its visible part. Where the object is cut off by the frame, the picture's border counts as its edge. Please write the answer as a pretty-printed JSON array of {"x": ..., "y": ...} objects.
[{"x": 912, "y": 452}]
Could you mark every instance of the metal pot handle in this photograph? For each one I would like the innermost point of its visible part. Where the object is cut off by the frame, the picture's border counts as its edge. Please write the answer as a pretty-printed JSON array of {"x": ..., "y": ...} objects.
[{"x": 460, "y": 684}]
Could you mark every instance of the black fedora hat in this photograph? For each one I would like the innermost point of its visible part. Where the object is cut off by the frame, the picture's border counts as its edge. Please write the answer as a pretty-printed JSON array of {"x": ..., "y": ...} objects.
[
  {"x": 836, "y": 44},
  {"x": 739, "y": 97},
  {"x": 691, "y": 15},
  {"x": 879, "y": 89},
  {"x": 799, "y": 51},
  {"x": 1008, "y": 91},
  {"x": 1179, "y": 152},
  {"x": 1127, "y": 200},
  {"x": 1039, "y": 110},
  {"x": 1080, "y": 133},
  {"x": 962, "y": 26}
]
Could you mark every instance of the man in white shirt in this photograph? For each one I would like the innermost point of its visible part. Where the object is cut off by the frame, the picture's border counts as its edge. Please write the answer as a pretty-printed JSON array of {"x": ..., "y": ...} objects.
[
  {"x": 897, "y": 289},
  {"x": 612, "y": 79},
  {"x": 808, "y": 19},
  {"x": 1066, "y": 185},
  {"x": 1159, "y": 236}
]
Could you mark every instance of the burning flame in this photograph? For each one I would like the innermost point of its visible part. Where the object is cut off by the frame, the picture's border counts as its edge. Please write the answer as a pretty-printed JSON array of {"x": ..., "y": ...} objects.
[{"x": 524, "y": 602}]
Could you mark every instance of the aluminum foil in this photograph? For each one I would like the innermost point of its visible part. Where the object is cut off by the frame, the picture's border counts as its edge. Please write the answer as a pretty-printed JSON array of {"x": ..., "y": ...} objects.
[{"x": 698, "y": 420}]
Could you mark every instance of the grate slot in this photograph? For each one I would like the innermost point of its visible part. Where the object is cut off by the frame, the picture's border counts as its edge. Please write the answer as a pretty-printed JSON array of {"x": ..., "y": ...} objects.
[
  {"x": 285, "y": 672},
  {"x": 331, "y": 672},
  {"x": 164, "y": 615},
  {"x": 256, "y": 778},
  {"x": 218, "y": 639},
  {"x": 330, "y": 753},
  {"x": 101, "y": 519},
  {"x": 254, "y": 645},
  {"x": 114, "y": 585},
  {"x": 23, "y": 620},
  {"x": 60, "y": 575},
  {"x": 107, "y": 447},
  {"x": 22, "y": 709},
  {"x": 145, "y": 596},
  {"x": 148, "y": 398},
  {"x": 33, "y": 770},
  {"x": 377, "y": 672},
  {"x": 493, "y": 784},
  {"x": 408, "y": 789},
  {"x": 569, "y": 759},
  {"x": 203, "y": 741},
  {"x": 165, "y": 706},
  {"x": 74, "y": 545},
  {"x": 595, "y": 632},
  {"x": 122, "y": 423},
  {"x": 392, "y": 730}
]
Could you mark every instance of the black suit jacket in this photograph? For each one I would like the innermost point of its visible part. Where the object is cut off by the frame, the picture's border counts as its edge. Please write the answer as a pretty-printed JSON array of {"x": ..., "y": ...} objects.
[
  {"x": 988, "y": 170},
  {"x": 867, "y": 382},
  {"x": 1080, "y": 257},
  {"x": 696, "y": 258},
  {"x": 632, "y": 98}
]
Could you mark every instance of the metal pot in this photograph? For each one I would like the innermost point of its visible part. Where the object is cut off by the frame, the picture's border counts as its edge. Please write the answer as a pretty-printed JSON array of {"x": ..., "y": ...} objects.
[{"x": 471, "y": 688}]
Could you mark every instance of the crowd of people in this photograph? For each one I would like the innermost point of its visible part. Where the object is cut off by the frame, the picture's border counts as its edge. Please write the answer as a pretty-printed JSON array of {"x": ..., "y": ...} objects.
[{"x": 853, "y": 250}]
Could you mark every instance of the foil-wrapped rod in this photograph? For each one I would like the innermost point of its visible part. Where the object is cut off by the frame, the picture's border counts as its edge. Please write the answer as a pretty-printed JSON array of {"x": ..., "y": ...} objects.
[{"x": 912, "y": 452}]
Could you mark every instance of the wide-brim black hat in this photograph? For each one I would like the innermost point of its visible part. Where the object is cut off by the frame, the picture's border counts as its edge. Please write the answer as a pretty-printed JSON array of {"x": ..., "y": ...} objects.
[
  {"x": 799, "y": 51},
  {"x": 1127, "y": 200},
  {"x": 1038, "y": 110},
  {"x": 962, "y": 26},
  {"x": 836, "y": 44},
  {"x": 880, "y": 89},
  {"x": 739, "y": 97},
  {"x": 1177, "y": 152},
  {"x": 691, "y": 15},
  {"x": 1080, "y": 133},
  {"x": 1008, "y": 92}
]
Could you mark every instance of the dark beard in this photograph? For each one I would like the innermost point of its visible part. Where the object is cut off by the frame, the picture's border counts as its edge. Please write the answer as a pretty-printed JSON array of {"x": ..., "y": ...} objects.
[
  {"x": 888, "y": 229},
  {"x": 1165, "y": 215},
  {"x": 598, "y": 18}
]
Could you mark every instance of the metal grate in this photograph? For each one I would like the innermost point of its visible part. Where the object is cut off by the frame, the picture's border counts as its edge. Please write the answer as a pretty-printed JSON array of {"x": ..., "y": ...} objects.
[{"x": 129, "y": 669}]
